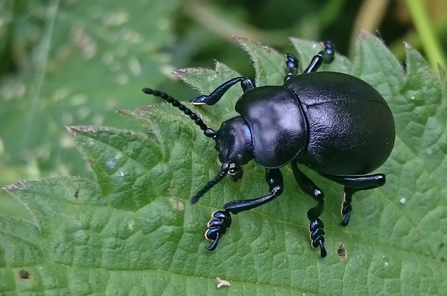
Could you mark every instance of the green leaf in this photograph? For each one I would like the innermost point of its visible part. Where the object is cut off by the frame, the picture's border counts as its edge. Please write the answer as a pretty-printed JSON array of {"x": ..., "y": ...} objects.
[
  {"x": 78, "y": 62},
  {"x": 133, "y": 231}
]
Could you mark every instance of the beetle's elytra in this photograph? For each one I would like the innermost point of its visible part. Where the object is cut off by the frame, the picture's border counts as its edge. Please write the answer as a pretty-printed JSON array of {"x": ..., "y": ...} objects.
[{"x": 334, "y": 123}]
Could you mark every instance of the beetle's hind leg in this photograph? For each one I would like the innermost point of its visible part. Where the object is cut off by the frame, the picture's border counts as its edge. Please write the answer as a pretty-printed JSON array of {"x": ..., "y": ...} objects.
[
  {"x": 352, "y": 185},
  {"x": 315, "y": 224}
]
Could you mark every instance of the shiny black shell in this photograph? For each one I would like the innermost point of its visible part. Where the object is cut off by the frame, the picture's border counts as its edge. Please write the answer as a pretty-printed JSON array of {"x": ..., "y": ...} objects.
[{"x": 334, "y": 123}]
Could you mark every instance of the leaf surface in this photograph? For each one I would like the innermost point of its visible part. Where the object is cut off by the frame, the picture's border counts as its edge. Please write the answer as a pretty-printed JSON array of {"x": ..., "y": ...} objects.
[{"x": 79, "y": 61}]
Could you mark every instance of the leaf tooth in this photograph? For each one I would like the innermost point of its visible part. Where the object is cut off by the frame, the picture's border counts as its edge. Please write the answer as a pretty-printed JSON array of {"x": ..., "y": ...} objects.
[
  {"x": 74, "y": 129},
  {"x": 16, "y": 186}
]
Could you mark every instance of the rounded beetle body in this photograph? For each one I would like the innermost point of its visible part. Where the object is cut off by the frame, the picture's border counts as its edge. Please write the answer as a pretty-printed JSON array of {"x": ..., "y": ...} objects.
[
  {"x": 350, "y": 126},
  {"x": 334, "y": 123}
]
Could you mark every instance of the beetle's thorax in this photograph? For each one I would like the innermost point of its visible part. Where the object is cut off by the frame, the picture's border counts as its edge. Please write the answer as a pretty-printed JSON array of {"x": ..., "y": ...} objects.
[
  {"x": 234, "y": 141},
  {"x": 277, "y": 123}
]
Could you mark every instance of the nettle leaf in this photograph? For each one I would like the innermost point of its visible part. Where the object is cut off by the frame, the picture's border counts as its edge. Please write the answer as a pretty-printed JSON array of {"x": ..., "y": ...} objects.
[
  {"x": 79, "y": 62},
  {"x": 135, "y": 232}
]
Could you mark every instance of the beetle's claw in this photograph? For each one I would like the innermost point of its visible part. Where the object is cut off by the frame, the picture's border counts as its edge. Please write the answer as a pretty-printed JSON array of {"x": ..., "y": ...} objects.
[
  {"x": 216, "y": 236},
  {"x": 346, "y": 209},
  {"x": 323, "y": 252},
  {"x": 345, "y": 221}
]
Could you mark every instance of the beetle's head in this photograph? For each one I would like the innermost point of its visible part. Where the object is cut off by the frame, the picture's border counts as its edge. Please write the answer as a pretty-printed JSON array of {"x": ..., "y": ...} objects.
[{"x": 233, "y": 142}]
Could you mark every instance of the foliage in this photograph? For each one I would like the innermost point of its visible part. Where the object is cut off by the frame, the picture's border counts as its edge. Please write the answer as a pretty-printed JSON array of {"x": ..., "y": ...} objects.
[
  {"x": 74, "y": 61},
  {"x": 133, "y": 231}
]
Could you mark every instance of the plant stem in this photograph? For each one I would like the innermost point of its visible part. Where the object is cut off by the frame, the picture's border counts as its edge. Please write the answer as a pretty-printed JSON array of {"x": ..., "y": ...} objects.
[{"x": 426, "y": 33}]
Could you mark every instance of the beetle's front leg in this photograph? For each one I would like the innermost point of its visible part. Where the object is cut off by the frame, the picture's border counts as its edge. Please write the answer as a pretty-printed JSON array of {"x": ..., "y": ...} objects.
[
  {"x": 217, "y": 227},
  {"x": 216, "y": 95},
  {"x": 221, "y": 220}
]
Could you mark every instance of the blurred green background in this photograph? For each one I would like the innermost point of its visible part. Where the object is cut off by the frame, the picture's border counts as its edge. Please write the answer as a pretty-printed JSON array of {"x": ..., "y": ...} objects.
[{"x": 76, "y": 62}]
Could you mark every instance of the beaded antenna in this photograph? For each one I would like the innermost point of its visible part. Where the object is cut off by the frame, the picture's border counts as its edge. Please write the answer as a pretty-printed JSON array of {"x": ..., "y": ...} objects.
[{"x": 210, "y": 133}]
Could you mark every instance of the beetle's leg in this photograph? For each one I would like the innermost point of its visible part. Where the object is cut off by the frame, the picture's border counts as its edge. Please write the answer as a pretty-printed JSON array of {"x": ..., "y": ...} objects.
[
  {"x": 325, "y": 56},
  {"x": 222, "y": 219},
  {"x": 291, "y": 66},
  {"x": 275, "y": 182},
  {"x": 315, "y": 225},
  {"x": 217, "y": 226},
  {"x": 216, "y": 95},
  {"x": 352, "y": 185}
]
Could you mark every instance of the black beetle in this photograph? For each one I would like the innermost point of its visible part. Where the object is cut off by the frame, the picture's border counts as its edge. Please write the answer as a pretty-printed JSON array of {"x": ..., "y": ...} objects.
[{"x": 333, "y": 123}]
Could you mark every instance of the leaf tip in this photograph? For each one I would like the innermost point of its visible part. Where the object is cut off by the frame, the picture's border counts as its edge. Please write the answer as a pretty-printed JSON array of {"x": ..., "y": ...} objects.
[
  {"x": 180, "y": 73},
  {"x": 237, "y": 38},
  {"x": 71, "y": 130},
  {"x": 241, "y": 40},
  {"x": 79, "y": 129},
  {"x": 13, "y": 187},
  {"x": 362, "y": 33},
  {"x": 124, "y": 112},
  {"x": 183, "y": 73},
  {"x": 365, "y": 35}
]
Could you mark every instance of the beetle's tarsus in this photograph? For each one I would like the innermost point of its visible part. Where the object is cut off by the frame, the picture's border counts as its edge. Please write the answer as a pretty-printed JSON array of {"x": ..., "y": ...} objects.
[
  {"x": 326, "y": 56},
  {"x": 316, "y": 227},
  {"x": 323, "y": 252},
  {"x": 217, "y": 227},
  {"x": 317, "y": 235},
  {"x": 328, "y": 52},
  {"x": 214, "y": 243},
  {"x": 291, "y": 66},
  {"x": 346, "y": 219},
  {"x": 346, "y": 209},
  {"x": 352, "y": 185}
]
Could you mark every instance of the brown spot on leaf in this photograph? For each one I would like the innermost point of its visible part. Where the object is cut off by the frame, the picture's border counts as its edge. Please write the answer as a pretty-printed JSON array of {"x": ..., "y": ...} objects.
[{"x": 341, "y": 251}]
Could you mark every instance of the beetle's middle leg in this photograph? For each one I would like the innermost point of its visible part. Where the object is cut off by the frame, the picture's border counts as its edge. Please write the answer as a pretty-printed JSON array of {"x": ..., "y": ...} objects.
[
  {"x": 352, "y": 185},
  {"x": 325, "y": 56},
  {"x": 221, "y": 220},
  {"x": 315, "y": 225}
]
